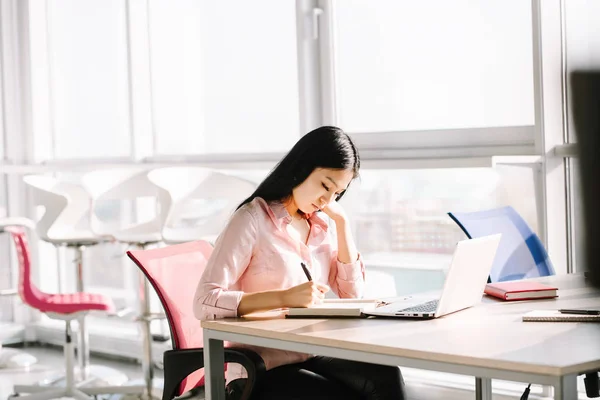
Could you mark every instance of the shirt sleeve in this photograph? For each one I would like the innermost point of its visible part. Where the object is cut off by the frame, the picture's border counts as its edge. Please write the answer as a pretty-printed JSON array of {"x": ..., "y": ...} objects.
[
  {"x": 228, "y": 261},
  {"x": 347, "y": 280}
]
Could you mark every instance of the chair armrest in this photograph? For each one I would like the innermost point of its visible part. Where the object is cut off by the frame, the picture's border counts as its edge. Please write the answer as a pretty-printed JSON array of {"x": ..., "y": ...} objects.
[
  {"x": 178, "y": 364},
  {"x": 252, "y": 362}
]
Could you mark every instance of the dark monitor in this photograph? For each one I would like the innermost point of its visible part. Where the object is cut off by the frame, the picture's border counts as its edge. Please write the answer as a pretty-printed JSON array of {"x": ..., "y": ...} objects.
[{"x": 585, "y": 97}]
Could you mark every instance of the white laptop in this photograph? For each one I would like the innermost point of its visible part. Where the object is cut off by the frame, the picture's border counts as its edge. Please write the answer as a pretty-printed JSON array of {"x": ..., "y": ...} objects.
[{"x": 465, "y": 282}]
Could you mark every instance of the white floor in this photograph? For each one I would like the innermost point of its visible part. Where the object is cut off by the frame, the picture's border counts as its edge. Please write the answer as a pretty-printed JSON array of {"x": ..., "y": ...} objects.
[{"x": 50, "y": 364}]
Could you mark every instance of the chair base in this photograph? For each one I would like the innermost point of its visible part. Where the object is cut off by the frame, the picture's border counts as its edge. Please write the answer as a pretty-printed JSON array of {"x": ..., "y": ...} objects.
[
  {"x": 40, "y": 391},
  {"x": 88, "y": 391},
  {"x": 96, "y": 376},
  {"x": 89, "y": 387},
  {"x": 15, "y": 358},
  {"x": 102, "y": 375},
  {"x": 155, "y": 393},
  {"x": 70, "y": 387},
  {"x": 131, "y": 389}
]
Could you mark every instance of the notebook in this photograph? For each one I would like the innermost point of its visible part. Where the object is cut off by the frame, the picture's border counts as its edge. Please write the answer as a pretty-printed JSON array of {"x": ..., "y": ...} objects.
[
  {"x": 520, "y": 290},
  {"x": 336, "y": 308},
  {"x": 556, "y": 316}
]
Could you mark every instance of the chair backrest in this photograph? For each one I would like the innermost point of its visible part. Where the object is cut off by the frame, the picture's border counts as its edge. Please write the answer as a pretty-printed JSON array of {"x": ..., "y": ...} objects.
[
  {"x": 125, "y": 184},
  {"x": 174, "y": 272},
  {"x": 520, "y": 254},
  {"x": 66, "y": 204},
  {"x": 203, "y": 201},
  {"x": 28, "y": 291}
]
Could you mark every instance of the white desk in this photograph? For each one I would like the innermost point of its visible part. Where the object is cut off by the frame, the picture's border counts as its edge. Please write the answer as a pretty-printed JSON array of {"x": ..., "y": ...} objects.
[{"x": 486, "y": 341}]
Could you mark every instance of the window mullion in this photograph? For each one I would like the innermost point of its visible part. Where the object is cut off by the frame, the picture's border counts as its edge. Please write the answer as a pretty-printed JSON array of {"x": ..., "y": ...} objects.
[{"x": 309, "y": 66}]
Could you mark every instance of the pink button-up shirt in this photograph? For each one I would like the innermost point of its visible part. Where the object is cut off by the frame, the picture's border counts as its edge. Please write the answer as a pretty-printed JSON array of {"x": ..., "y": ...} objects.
[{"x": 255, "y": 253}]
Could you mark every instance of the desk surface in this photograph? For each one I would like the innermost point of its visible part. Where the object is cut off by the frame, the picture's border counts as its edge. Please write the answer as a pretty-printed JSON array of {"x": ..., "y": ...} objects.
[{"x": 490, "y": 334}]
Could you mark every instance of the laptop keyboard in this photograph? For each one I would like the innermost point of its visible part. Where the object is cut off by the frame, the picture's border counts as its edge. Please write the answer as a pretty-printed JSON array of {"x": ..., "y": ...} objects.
[{"x": 428, "y": 307}]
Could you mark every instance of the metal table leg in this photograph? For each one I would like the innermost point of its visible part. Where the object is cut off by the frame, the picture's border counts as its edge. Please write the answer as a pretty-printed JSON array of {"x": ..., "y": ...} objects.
[
  {"x": 483, "y": 388},
  {"x": 566, "y": 389},
  {"x": 214, "y": 359}
]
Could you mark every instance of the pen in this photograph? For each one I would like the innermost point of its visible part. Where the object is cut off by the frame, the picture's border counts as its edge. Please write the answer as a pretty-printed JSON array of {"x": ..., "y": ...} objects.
[
  {"x": 306, "y": 271},
  {"x": 586, "y": 312}
]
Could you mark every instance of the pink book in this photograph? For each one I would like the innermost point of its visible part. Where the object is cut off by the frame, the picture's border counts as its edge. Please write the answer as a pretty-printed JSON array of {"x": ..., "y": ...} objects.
[{"x": 520, "y": 290}]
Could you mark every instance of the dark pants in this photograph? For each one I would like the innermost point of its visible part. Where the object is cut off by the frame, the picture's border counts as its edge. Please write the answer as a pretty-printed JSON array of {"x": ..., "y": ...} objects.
[{"x": 332, "y": 378}]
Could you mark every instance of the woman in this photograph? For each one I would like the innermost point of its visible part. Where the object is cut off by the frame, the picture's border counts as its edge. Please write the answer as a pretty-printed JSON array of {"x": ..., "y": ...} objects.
[{"x": 256, "y": 266}]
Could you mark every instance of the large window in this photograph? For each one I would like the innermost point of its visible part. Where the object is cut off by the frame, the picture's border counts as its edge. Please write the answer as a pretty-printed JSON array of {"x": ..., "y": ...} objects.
[
  {"x": 115, "y": 79},
  {"x": 79, "y": 79},
  {"x": 430, "y": 90},
  {"x": 400, "y": 220},
  {"x": 224, "y": 81},
  {"x": 424, "y": 65}
]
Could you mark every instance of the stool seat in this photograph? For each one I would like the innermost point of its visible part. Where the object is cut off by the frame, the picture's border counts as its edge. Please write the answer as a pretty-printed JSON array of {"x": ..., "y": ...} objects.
[
  {"x": 66, "y": 205},
  {"x": 67, "y": 303},
  {"x": 138, "y": 238},
  {"x": 202, "y": 201},
  {"x": 76, "y": 241}
]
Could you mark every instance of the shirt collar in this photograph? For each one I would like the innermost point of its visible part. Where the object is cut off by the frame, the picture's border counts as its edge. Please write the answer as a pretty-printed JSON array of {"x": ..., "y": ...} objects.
[
  {"x": 278, "y": 213},
  {"x": 318, "y": 229},
  {"x": 281, "y": 218}
]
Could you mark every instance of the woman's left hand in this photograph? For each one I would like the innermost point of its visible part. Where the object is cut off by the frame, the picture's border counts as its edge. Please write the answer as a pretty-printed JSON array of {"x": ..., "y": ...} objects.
[{"x": 335, "y": 211}]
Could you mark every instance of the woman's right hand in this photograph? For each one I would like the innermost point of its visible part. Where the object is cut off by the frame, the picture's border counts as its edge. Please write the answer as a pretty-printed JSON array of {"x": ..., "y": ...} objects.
[{"x": 304, "y": 295}]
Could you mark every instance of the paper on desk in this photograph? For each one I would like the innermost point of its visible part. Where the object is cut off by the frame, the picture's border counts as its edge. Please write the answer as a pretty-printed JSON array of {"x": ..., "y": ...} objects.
[{"x": 350, "y": 300}]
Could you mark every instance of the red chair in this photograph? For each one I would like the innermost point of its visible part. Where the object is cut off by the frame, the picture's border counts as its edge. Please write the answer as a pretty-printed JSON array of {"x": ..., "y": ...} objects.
[
  {"x": 174, "y": 272},
  {"x": 64, "y": 306}
]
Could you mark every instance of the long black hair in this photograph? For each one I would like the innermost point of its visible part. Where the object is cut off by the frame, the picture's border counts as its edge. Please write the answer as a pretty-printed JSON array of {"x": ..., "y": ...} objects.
[{"x": 325, "y": 147}]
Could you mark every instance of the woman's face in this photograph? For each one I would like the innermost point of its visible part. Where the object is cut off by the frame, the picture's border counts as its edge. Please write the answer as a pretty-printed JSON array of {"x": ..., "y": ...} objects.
[{"x": 320, "y": 188}]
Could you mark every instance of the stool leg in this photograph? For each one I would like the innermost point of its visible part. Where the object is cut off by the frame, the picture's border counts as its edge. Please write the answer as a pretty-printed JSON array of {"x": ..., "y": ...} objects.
[
  {"x": 83, "y": 348},
  {"x": 70, "y": 386},
  {"x": 69, "y": 351},
  {"x": 69, "y": 390}
]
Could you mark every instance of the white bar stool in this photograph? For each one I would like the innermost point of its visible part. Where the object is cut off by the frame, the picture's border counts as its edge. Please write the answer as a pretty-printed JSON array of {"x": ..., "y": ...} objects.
[
  {"x": 66, "y": 205},
  {"x": 132, "y": 184},
  {"x": 203, "y": 200}
]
